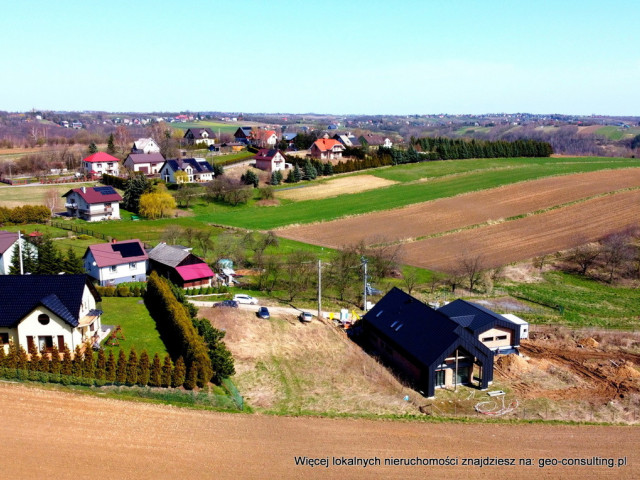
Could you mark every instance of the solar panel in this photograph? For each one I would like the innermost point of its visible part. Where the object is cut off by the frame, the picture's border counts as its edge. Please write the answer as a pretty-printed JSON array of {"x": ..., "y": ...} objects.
[
  {"x": 105, "y": 190},
  {"x": 128, "y": 249}
]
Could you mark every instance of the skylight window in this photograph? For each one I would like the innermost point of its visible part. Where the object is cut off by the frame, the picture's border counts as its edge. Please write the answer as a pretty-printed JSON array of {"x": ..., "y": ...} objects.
[
  {"x": 399, "y": 327},
  {"x": 394, "y": 324}
]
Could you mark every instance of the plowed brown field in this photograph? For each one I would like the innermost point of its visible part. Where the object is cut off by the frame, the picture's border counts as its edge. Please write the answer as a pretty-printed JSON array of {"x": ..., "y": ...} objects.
[
  {"x": 67, "y": 436},
  {"x": 530, "y": 236},
  {"x": 469, "y": 209}
]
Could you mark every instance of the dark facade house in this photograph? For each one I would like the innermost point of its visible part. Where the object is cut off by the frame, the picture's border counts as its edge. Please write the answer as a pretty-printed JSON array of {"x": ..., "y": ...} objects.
[
  {"x": 243, "y": 135},
  {"x": 193, "y": 136},
  {"x": 493, "y": 330},
  {"x": 425, "y": 346},
  {"x": 180, "y": 266}
]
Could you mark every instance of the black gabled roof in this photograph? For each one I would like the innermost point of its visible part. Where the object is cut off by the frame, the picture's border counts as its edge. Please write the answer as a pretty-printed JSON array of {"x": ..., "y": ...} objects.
[
  {"x": 62, "y": 294},
  {"x": 416, "y": 328},
  {"x": 474, "y": 317}
]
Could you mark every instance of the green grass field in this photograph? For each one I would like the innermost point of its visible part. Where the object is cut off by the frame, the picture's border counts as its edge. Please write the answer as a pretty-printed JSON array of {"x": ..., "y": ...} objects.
[
  {"x": 458, "y": 176},
  {"x": 35, "y": 195},
  {"x": 617, "y": 133},
  {"x": 215, "y": 126},
  {"x": 138, "y": 327},
  {"x": 586, "y": 303}
]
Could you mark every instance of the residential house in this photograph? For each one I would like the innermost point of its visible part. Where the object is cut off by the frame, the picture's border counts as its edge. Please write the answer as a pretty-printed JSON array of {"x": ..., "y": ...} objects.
[
  {"x": 347, "y": 139},
  {"x": 424, "y": 345},
  {"x": 326, "y": 149},
  {"x": 95, "y": 165},
  {"x": 181, "y": 266},
  {"x": 116, "y": 262},
  {"x": 194, "y": 136},
  {"x": 270, "y": 160},
  {"x": 147, "y": 163},
  {"x": 371, "y": 140},
  {"x": 264, "y": 138},
  {"x": 493, "y": 330},
  {"x": 93, "y": 203},
  {"x": 197, "y": 170},
  {"x": 47, "y": 310},
  {"x": 8, "y": 245},
  {"x": 145, "y": 145},
  {"x": 289, "y": 137},
  {"x": 243, "y": 135}
]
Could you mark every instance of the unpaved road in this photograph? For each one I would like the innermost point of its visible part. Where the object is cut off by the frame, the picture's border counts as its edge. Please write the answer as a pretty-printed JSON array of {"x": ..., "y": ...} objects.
[{"x": 51, "y": 433}]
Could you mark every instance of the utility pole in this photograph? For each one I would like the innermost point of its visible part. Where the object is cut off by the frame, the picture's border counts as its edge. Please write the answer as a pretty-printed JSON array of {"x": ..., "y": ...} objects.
[
  {"x": 364, "y": 264},
  {"x": 319, "y": 288}
]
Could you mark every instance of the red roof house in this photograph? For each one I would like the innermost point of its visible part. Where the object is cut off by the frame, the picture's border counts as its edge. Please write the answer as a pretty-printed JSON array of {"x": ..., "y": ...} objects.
[
  {"x": 98, "y": 163},
  {"x": 93, "y": 203},
  {"x": 270, "y": 160},
  {"x": 326, "y": 149}
]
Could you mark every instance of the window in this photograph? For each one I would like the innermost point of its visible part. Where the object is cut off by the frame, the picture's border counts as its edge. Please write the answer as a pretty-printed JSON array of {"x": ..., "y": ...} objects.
[
  {"x": 501, "y": 337},
  {"x": 487, "y": 339},
  {"x": 45, "y": 343},
  {"x": 113, "y": 268},
  {"x": 132, "y": 265},
  {"x": 440, "y": 378},
  {"x": 4, "y": 338},
  {"x": 44, "y": 319},
  {"x": 92, "y": 327}
]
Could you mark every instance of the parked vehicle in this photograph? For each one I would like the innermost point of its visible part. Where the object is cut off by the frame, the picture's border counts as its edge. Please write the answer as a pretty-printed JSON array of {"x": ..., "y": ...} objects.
[
  {"x": 245, "y": 299},
  {"x": 263, "y": 312},
  {"x": 305, "y": 317},
  {"x": 226, "y": 303}
]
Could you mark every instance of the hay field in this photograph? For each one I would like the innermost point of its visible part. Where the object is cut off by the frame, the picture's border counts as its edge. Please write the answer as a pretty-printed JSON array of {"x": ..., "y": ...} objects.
[{"x": 335, "y": 187}]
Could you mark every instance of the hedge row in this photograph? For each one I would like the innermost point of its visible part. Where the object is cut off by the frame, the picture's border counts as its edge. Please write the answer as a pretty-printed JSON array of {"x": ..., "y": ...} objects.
[
  {"x": 207, "y": 290},
  {"x": 114, "y": 181},
  {"x": 121, "y": 291},
  {"x": 175, "y": 326},
  {"x": 25, "y": 214}
]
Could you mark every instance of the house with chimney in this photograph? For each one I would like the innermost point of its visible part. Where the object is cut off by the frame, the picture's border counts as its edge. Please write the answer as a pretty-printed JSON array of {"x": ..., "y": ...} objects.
[
  {"x": 93, "y": 204},
  {"x": 116, "y": 262},
  {"x": 94, "y": 166}
]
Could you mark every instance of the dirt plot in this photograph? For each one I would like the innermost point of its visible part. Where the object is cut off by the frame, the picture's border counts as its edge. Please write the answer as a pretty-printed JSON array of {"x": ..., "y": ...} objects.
[
  {"x": 528, "y": 237},
  {"x": 71, "y": 435},
  {"x": 469, "y": 209},
  {"x": 333, "y": 188},
  {"x": 288, "y": 366}
]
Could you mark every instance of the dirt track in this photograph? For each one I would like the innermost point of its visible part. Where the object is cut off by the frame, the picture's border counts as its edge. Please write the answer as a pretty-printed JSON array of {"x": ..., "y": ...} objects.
[
  {"x": 76, "y": 436},
  {"x": 449, "y": 214}
]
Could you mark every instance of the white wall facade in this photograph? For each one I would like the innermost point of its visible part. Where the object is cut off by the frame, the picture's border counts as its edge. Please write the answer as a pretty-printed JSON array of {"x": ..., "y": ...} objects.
[{"x": 112, "y": 275}]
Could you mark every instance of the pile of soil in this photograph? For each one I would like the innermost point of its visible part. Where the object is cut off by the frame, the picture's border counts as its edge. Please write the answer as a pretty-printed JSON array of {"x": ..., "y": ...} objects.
[
  {"x": 589, "y": 342},
  {"x": 627, "y": 371},
  {"x": 512, "y": 364}
]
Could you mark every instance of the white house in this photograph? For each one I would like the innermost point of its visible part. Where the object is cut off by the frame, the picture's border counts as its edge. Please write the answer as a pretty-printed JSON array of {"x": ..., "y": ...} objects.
[
  {"x": 326, "y": 149},
  {"x": 197, "y": 170},
  {"x": 95, "y": 165},
  {"x": 145, "y": 145},
  {"x": 194, "y": 136},
  {"x": 270, "y": 160},
  {"x": 93, "y": 203},
  {"x": 116, "y": 262},
  {"x": 147, "y": 163},
  {"x": 44, "y": 310},
  {"x": 8, "y": 245},
  {"x": 522, "y": 324}
]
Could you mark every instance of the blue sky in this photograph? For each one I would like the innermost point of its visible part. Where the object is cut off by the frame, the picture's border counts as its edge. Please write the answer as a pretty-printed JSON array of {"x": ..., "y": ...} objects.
[{"x": 360, "y": 57}]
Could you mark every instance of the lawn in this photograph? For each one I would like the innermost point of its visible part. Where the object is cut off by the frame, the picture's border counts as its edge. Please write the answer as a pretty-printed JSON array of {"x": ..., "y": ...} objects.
[
  {"x": 457, "y": 176},
  {"x": 586, "y": 303},
  {"x": 35, "y": 195},
  {"x": 215, "y": 126},
  {"x": 138, "y": 327}
]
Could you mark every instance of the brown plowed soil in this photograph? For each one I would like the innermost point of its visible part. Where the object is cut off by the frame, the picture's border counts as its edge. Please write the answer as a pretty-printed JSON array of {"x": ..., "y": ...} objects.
[
  {"x": 449, "y": 214},
  {"x": 67, "y": 436},
  {"x": 528, "y": 237}
]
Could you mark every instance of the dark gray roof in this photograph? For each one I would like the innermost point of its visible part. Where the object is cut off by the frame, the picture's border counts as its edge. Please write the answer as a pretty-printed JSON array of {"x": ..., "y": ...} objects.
[
  {"x": 62, "y": 294},
  {"x": 417, "y": 329},
  {"x": 476, "y": 318},
  {"x": 145, "y": 158},
  {"x": 198, "y": 167},
  {"x": 197, "y": 132}
]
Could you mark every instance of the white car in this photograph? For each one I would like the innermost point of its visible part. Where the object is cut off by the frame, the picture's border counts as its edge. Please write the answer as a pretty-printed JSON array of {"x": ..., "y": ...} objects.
[
  {"x": 305, "y": 317},
  {"x": 245, "y": 299}
]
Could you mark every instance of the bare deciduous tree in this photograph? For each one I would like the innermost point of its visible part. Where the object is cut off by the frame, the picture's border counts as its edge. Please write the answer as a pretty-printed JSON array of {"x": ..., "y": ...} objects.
[
  {"x": 471, "y": 266},
  {"x": 615, "y": 250},
  {"x": 171, "y": 234},
  {"x": 584, "y": 256},
  {"x": 410, "y": 280},
  {"x": 52, "y": 200}
]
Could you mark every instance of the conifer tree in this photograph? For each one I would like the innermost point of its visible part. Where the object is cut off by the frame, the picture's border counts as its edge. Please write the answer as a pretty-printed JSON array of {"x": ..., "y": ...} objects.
[
  {"x": 111, "y": 147},
  {"x": 48, "y": 262},
  {"x": 155, "y": 377},
  {"x": 143, "y": 369},
  {"x": 101, "y": 366},
  {"x": 132, "y": 367},
  {"x": 54, "y": 366},
  {"x": 12, "y": 356},
  {"x": 72, "y": 264},
  {"x": 33, "y": 357},
  {"x": 327, "y": 169},
  {"x": 111, "y": 368},
  {"x": 121, "y": 368},
  {"x": 67, "y": 365},
  {"x": 88, "y": 365},
  {"x": 201, "y": 379},
  {"x": 42, "y": 363},
  {"x": 167, "y": 372},
  {"x": 309, "y": 171},
  {"x": 297, "y": 174},
  {"x": 93, "y": 148},
  {"x": 179, "y": 373},
  {"x": 23, "y": 358},
  {"x": 78, "y": 357},
  {"x": 3, "y": 356},
  {"x": 192, "y": 376}
]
